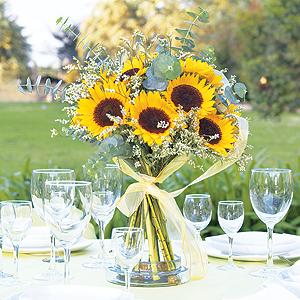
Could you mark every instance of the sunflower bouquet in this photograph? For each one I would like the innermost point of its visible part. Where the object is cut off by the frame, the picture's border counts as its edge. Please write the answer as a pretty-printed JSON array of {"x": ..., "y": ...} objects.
[{"x": 151, "y": 108}]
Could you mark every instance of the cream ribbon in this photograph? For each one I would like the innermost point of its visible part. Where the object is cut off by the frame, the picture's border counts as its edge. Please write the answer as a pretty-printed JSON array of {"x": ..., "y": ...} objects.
[{"x": 178, "y": 228}]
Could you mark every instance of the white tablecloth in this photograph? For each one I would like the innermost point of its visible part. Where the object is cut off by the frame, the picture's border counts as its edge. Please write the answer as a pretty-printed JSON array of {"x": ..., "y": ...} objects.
[{"x": 216, "y": 285}]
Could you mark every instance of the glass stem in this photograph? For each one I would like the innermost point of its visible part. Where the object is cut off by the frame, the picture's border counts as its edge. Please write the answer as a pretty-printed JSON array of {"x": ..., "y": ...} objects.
[
  {"x": 101, "y": 225},
  {"x": 67, "y": 254},
  {"x": 16, "y": 261},
  {"x": 270, "y": 247},
  {"x": 230, "y": 259},
  {"x": 127, "y": 273},
  {"x": 1, "y": 259},
  {"x": 52, "y": 253}
]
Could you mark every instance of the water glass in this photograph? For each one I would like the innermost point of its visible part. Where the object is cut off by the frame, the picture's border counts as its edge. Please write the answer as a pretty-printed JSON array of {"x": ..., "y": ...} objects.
[
  {"x": 271, "y": 193},
  {"x": 231, "y": 218},
  {"x": 16, "y": 219},
  {"x": 67, "y": 211},
  {"x": 38, "y": 178},
  {"x": 2, "y": 274},
  {"x": 106, "y": 185},
  {"x": 128, "y": 244},
  {"x": 197, "y": 208}
]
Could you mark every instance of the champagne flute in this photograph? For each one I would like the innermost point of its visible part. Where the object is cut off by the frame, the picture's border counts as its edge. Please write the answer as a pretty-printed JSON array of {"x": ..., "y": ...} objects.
[
  {"x": 38, "y": 178},
  {"x": 106, "y": 185},
  {"x": 67, "y": 208},
  {"x": 197, "y": 208},
  {"x": 271, "y": 193},
  {"x": 231, "y": 218},
  {"x": 128, "y": 243},
  {"x": 16, "y": 218}
]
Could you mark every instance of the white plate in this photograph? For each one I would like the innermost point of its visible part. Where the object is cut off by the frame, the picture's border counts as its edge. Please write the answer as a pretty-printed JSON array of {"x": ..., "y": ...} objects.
[
  {"x": 255, "y": 243},
  {"x": 73, "y": 292},
  {"x": 211, "y": 251}
]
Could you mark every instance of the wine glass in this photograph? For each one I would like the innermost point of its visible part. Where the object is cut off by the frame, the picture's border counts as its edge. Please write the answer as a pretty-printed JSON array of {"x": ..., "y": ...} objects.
[
  {"x": 231, "y": 218},
  {"x": 16, "y": 218},
  {"x": 106, "y": 185},
  {"x": 197, "y": 208},
  {"x": 2, "y": 274},
  {"x": 38, "y": 178},
  {"x": 67, "y": 212},
  {"x": 271, "y": 193},
  {"x": 128, "y": 244}
]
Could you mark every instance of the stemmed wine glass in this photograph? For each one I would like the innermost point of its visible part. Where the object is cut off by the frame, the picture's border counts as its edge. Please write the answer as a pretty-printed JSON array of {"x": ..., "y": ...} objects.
[
  {"x": 271, "y": 193},
  {"x": 231, "y": 218},
  {"x": 16, "y": 218},
  {"x": 2, "y": 274},
  {"x": 197, "y": 208},
  {"x": 106, "y": 185},
  {"x": 67, "y": 212},
  {"x": 128, "y": 243},
  {"x": 38, "y": 178}
]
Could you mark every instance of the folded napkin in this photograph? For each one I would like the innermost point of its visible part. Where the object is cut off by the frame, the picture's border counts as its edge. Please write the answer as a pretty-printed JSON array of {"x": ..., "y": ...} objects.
[
  {"x": 255, "y": 243},
  {"x": 289, "y": 278},
  {"x": 272, "y": 292}
]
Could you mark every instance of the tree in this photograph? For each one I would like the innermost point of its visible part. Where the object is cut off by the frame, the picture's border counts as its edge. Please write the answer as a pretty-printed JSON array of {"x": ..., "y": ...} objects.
[
  {"x": 113, "y": 19},
  {"x": 14, "y": 50},
  {"x": 266, "y": 48}
]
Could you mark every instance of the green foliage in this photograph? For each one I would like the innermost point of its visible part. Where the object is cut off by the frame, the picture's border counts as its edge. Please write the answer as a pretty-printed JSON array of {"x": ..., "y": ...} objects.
[
  {"x": 16, "y": 186},
  {"x": 14, "y": 49}
]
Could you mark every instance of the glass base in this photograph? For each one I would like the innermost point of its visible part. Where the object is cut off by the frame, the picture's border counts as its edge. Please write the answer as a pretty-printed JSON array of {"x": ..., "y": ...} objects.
[
  {"x": 15, "y": 282},
  {"x": 50, "y": 275},
  {"x": 5, "y": 275},
  {"x": 58, "y": 259},
  {"x": 266, "y": 272},
  {"x": 168, "y": 273},
  {"x": 98, "y": 264},
  {"x": 230, "y": 267}
]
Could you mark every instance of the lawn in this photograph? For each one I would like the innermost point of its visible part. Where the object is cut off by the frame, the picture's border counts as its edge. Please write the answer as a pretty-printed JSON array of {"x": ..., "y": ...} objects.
[{"x": 25, "y": 133}]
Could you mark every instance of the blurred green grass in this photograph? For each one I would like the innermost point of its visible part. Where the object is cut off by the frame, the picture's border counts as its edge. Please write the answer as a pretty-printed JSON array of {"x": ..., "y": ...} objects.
[{"x": 25, "y": 133}]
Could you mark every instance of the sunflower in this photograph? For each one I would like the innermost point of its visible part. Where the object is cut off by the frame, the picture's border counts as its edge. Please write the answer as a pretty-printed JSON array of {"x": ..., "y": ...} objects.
[
  {"x": 217, "y": 132},
  {"x": 203, "y": 69},
  {"x": 110, "y": 99},
  {"x": 133, "y": 67},
  {"x": 154, "y": 117},
  {"x": 189, "y": 93}
]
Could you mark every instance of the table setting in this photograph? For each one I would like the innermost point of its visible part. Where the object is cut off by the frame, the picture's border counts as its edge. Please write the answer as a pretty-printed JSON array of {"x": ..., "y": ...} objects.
[{"x": 150, "y": 110}]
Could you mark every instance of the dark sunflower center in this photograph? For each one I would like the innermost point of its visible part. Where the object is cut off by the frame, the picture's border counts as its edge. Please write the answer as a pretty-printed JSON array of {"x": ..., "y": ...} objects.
[
  {"x": 109, "y": 106},
  {"x": 208, "y": 130},
  {"x": 129, "y": 73},
  {"x": 151, "y": 117},
  {"x": 187, "y": 96}
]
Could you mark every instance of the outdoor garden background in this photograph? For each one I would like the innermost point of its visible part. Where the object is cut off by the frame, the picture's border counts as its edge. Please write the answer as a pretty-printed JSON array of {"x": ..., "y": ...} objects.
[{"x": 259, "y": 41}]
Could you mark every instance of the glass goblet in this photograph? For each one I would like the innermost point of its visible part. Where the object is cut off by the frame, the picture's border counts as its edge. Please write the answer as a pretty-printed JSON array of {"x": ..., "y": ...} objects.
[
  {"x": 106, "y": 185},
  {"x": 38, "y": 178},
  {"x": 271, "y": 193},
  {"x": 68, "y": 207},
  {"x": 16, "y": 219},
  {"x": 231, "y": 218},
  {"x": 128, "y": 244},
  {"x": 197, "y": 208},
  {"x": 2, "y": 274}
]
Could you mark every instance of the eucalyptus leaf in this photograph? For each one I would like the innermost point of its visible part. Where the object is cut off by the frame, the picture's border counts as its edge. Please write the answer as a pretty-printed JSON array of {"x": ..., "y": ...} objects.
[
  {"x": 21, "y": 89},
  {"x": 82, "y": 40},
  {"x": 29, "y": 87},
  {"x": 192, "y": 23},
  {"x": 187, "y": 49},
  {"x": 182, "y": 32},
  {"x": 193, "y": 35},
  {"x": 192, "y": 14},
  {"x": 86, "y": 44},
  {"x": 56, "y": 87},
  {"x": 47, "y": 86},
  {"x": 240, "y": 89},
  {"x": 230, "y": 96}
]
